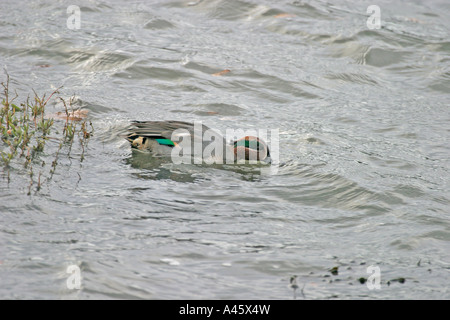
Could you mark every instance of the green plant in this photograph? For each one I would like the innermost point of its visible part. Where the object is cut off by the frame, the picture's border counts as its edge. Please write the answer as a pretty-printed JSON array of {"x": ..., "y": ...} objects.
[{"x": 26, "y": 128}]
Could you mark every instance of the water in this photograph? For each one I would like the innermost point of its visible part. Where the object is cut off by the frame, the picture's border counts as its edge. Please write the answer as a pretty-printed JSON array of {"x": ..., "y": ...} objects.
[{"x": 363, "y": 177}]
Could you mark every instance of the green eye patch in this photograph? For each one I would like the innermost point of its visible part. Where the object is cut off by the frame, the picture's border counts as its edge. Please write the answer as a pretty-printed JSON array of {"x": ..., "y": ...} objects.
[
  {"x": 166, "y": 142},
  {"x": 253, "y": 144}
]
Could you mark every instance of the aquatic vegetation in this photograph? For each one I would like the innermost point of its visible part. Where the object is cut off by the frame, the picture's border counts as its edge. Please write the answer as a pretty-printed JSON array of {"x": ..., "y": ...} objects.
[{"x": 26, "y": 128}]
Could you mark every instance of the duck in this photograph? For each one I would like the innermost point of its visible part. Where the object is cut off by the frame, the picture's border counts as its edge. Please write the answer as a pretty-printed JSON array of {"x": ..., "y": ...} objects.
[{"x": 166, "y": 138}]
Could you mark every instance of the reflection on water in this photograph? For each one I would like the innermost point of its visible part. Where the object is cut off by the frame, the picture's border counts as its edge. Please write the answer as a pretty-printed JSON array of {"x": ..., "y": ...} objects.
[
  {"x": 153, "y": 168},
  {"x": 160, "y": 167},
  {"x": 363, "y": 171}
]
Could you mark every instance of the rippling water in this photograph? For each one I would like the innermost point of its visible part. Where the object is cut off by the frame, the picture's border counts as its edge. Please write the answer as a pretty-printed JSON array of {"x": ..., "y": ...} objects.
[{"x": 363, "y": 177}]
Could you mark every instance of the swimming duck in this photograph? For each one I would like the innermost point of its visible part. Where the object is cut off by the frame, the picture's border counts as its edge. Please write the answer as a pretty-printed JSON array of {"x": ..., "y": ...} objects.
[{"x": 161, "y": 137}]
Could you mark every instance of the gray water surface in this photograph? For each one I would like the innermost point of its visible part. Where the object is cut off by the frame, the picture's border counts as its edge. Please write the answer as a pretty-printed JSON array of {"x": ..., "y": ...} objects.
[{"x": 363, "y": 173}]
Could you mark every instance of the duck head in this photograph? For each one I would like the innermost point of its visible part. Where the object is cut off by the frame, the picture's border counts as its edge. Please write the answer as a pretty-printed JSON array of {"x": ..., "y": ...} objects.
[{"x": 251, "y": 148}]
